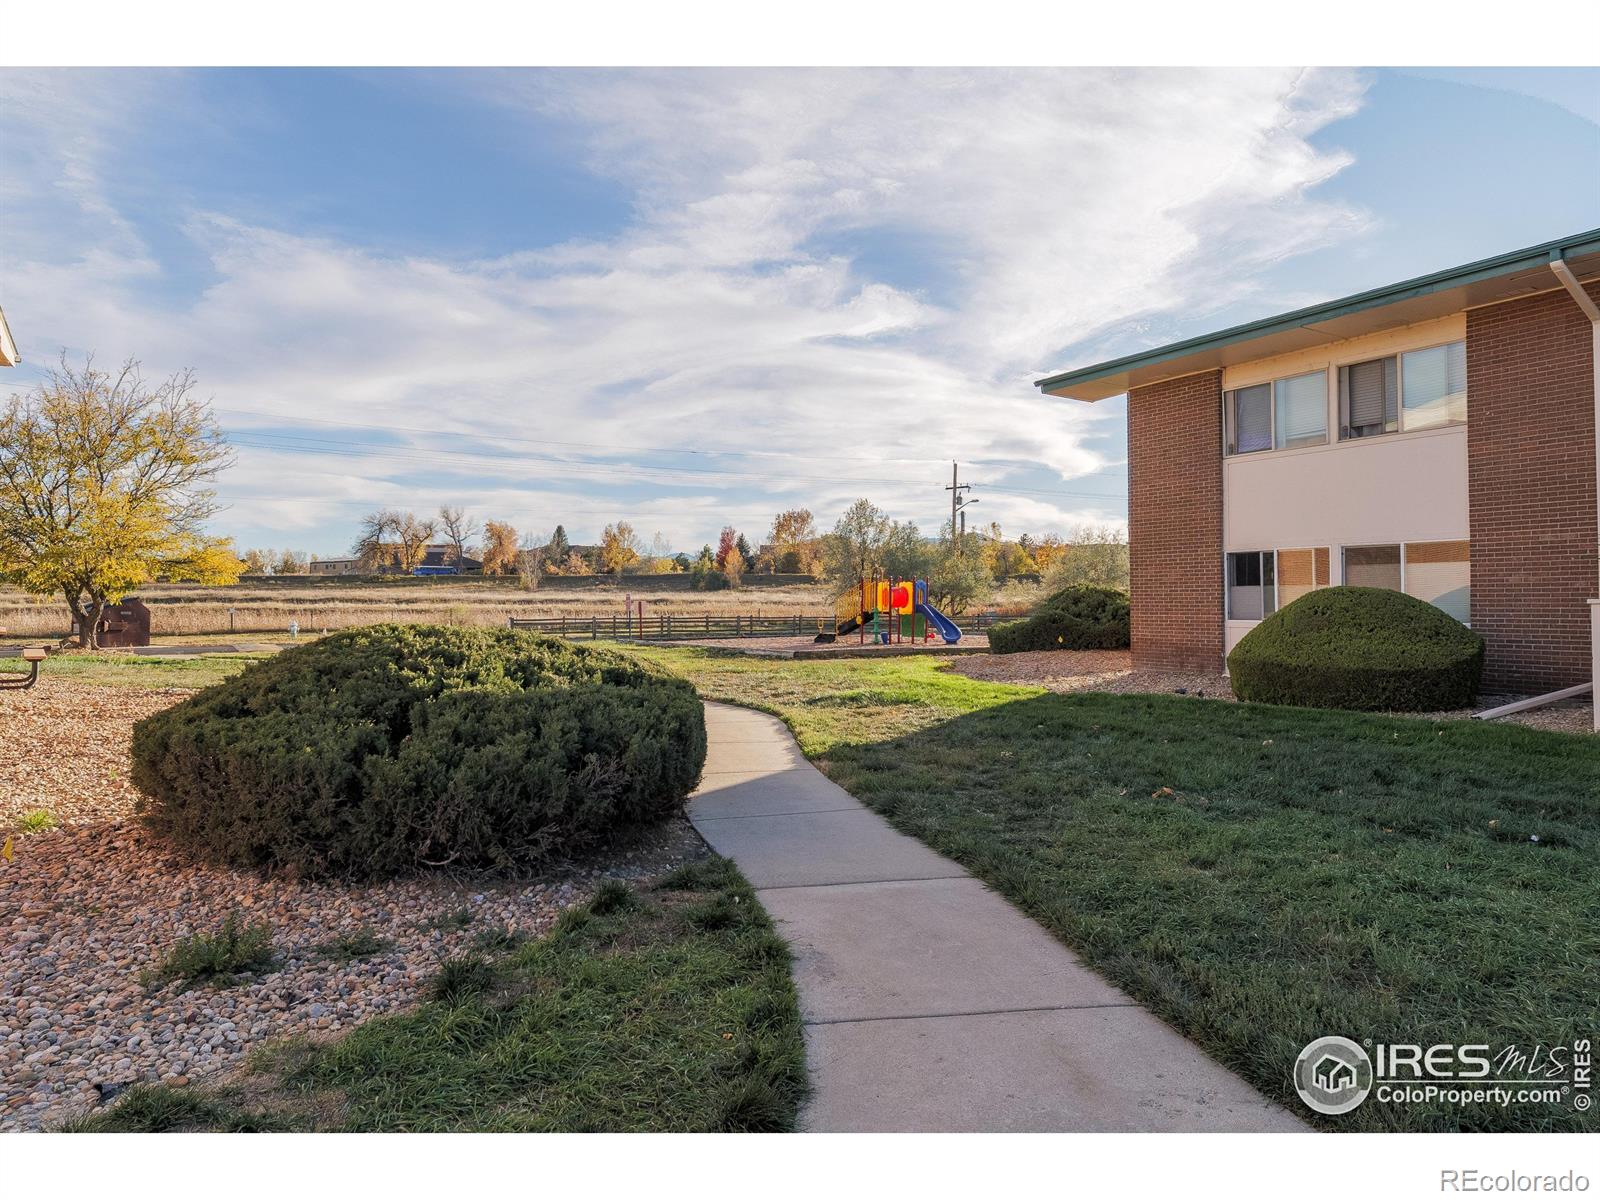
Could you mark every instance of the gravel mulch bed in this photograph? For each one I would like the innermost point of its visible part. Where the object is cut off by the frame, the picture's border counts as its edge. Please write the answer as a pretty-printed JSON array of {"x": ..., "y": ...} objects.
[
  {"x": 83, "y": 913},
  {"x": 64, "y": 748},
  {"x": 88, "y": 907},
  {"x": 1112, "y": 671}
]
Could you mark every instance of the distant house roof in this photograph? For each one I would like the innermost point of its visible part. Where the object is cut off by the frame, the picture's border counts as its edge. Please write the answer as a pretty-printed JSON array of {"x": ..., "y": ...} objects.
[
  {"x": 444, "y": 555},
  {"x": 1487, "y": 281},
  {"x": 8, "y": 348}
]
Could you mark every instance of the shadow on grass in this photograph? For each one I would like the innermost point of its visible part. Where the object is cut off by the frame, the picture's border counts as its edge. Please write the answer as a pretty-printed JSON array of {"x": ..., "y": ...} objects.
[{"x": 1264, "y": 876}]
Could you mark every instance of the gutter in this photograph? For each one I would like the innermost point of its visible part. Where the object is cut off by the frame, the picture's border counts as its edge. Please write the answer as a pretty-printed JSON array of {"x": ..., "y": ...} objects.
[{"x": 1586, "y": 303}]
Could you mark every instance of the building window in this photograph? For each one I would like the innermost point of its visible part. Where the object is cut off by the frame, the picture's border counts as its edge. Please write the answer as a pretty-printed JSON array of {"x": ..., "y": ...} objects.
[
  {"x": 1433, "y": 386},
  {"x": 1252, "y": 593},
  {"x": 1373, "y": 566},
  {"x": 1249, "y": 419},
  {"x": 1301, "y": 410},
  {"x": 1300, "y": 572},
  {"x": 1277, "y": 415},
  {"x": 1369, "y": 399},
  {"x": 1441, "y": 574},
  {"x": 1421, "y": 389}
]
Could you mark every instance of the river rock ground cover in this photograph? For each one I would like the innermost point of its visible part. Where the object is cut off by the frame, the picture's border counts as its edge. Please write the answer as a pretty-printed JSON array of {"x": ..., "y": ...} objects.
[{"x": 89, "y": 907}]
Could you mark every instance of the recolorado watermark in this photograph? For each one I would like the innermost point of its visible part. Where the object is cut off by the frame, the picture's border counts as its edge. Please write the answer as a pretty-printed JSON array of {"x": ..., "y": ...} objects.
[
  {"x": 1335, "y": 1075},
  {"x": 1505, "y": 1183}
]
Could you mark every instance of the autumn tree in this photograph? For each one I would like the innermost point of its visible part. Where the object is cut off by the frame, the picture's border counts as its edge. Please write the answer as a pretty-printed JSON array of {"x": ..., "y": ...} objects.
[
  {"x": 727, "y": 543},
  {"x": 794, "y": 542},
  {"x": 105, "y": 484},
  {"x": 292, "y": 562},
  {"x": 257, "y": 562},
  {"x": 458, "y": 529},
  {"x": 619, "y": 548},
  {"x": 499, "y": 548},
  {"x": 393, "y": 538}
]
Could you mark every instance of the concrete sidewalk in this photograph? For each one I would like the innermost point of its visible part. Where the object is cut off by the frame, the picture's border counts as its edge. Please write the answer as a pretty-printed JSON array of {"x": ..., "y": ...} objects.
[{"x": 930, "y": 1002}]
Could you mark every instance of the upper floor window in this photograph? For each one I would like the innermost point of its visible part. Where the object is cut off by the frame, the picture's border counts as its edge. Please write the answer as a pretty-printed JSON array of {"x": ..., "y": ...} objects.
[
  {"x": 1419, "y": 389},
  {"x": 1277, "y": 415}
]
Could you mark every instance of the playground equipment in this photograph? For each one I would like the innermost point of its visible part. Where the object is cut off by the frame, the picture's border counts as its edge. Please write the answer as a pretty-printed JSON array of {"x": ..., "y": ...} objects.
[{"x": 890, "y": 611}]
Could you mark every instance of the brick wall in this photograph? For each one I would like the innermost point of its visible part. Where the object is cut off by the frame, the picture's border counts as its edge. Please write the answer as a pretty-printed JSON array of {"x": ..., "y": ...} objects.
[
  {"x": 1175, "y": 522},
  {"x": 1531, "y": 489}
]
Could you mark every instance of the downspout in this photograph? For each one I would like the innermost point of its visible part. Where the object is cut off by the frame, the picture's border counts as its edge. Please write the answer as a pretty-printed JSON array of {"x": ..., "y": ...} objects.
[{"x": 1592, "y": 311}]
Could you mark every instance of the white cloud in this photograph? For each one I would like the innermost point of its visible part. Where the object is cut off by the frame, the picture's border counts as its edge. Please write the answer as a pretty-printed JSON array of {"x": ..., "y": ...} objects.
[{"x": 1065, "y": 202}]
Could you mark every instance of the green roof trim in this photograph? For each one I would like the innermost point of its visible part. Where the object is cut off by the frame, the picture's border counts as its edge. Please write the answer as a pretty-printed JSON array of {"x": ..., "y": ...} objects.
[{"x": 1473, "y": 272}]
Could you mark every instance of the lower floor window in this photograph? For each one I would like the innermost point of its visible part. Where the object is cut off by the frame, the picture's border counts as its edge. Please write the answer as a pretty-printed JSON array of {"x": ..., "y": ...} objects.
[
  {"x": 1252, "y": 592},
  {"x": 1441, "y": 574},
  {"x": 1262, "y": 581},
  {"x": 1437, "y": 572},
  {"x": 1372, "y": 566}
]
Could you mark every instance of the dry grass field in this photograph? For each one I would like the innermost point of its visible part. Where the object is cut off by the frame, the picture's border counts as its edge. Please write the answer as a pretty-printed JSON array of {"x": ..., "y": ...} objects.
[{"x": 256, "y": 608}]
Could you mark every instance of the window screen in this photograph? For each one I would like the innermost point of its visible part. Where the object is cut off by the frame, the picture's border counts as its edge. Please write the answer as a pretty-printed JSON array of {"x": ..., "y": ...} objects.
[
  {"x": 1372, "y": 566},
  {"x": 1434, "y": 386},
  {"x": 1441, "y": 574},
  {"x": 1302, "y": 410},
  {"x": 1368, "y": 398},
  {"x": 1249, "y": 412}
]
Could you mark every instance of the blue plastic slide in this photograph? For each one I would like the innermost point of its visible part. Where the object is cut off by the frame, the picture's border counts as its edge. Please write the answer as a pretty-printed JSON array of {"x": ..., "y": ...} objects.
[{"x": 942, "y": 625}]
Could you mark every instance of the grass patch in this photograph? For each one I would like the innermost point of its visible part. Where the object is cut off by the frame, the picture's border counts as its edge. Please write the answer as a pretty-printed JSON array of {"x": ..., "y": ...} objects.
[
  {"x": 1260, "y": 876},
  {"x": 37, "y": 820},
  {"x": 634, "y": 1016},
  {"x": 131, "y": 670},
  {"x": 215, "y": 959},
  {"x": 498, "y": 939},
  {"x": 347, "y": 947}
]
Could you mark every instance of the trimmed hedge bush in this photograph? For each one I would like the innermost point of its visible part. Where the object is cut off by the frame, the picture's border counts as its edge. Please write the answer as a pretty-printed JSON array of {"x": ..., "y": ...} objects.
[
  {"x": 395, "y": 747},
  {"x": 1362, "y": 648},
  {"x": 1075, "y": 618}
]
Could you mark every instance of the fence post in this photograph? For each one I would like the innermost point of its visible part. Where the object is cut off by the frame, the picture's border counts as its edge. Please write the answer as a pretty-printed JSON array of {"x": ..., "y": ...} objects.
[{"x": 594, "y": 629}]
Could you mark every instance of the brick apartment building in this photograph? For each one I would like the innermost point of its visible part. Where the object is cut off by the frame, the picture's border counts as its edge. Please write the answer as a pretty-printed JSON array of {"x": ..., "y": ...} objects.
[{"x": 1437, "y": 436}]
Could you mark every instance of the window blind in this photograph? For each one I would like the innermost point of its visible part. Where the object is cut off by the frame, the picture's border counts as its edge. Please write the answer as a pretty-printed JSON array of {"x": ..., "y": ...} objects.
[
  {"x": 1369, "y": 396},
  {"x": 1302, "y": 409},
  {"x": 1252, "y": 419},
  {"x": 1435, "y": 391}
]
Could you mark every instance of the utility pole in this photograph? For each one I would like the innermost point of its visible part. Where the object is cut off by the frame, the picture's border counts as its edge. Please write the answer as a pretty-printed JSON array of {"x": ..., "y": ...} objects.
[{"x": 955, "y": 488}]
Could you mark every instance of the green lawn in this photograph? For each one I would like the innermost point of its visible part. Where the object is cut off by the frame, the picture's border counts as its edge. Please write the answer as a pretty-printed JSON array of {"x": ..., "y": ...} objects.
[
  {"x": 1259, "y": 876},
  {"x": 665, "y": 1010},
  {"x": 132, "y": 670}
]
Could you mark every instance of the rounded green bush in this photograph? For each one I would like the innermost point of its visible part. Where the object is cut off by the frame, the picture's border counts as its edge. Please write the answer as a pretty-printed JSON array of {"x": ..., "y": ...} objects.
[
  {"x": 1075, "y": 618},
  {"x": 1362, "y": 648},
  {"x": 396, "y": 747}
]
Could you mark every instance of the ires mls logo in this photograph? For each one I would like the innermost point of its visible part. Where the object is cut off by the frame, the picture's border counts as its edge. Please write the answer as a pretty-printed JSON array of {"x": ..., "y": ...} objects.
[{"x": 1333, "y": 1075}]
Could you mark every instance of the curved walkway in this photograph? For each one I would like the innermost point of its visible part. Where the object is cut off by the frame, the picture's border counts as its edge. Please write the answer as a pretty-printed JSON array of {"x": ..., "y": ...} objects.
[{"x": 931, "y": 1003}]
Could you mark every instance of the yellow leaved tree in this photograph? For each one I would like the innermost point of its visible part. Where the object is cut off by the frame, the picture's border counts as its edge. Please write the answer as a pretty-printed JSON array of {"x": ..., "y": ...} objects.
[{"x": 105, "y": 486}]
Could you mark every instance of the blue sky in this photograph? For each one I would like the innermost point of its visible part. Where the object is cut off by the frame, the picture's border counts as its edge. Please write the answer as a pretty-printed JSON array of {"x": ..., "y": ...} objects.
[{"x": 686, "y": 299}]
